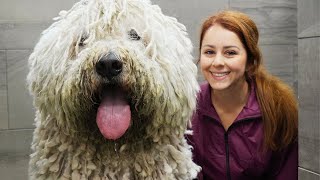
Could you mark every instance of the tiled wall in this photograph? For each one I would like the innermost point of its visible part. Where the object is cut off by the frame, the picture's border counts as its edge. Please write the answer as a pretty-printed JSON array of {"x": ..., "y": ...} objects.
[
  {"x": 21, "y": 22},
  {"x": 309, "y": 88}
]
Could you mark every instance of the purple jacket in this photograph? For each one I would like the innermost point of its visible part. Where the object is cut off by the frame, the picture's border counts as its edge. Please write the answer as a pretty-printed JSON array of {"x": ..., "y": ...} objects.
[{"x": 237, "y": 153}]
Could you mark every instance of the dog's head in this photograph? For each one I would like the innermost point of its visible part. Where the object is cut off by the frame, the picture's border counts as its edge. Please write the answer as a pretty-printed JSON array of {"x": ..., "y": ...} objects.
[{"x": 117, "y": 66}]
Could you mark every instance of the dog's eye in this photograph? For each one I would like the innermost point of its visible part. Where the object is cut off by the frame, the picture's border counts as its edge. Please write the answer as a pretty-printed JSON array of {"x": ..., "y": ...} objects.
[
  {"x": 134, "y": 35},
  {"x": 81, "y": 42}
]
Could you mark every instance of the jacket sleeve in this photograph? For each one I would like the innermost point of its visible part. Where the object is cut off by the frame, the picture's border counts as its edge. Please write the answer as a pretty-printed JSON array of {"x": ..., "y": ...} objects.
[{"x": 286, "y": 163}]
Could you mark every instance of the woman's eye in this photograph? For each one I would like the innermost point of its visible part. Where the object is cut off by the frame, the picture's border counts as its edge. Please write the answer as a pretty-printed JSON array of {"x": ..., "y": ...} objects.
[
  {"x": 209, "y": 52},
  {"x": 231, "y": 53}
]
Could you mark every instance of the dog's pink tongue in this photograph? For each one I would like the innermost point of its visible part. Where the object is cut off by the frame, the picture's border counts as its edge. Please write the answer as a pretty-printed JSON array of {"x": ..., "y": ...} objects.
[{"x": 114, "y": 115}]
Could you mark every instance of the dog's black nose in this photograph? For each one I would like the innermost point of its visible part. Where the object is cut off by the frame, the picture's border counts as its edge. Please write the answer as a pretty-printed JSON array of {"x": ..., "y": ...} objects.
[{"x": 109, "y": 66}]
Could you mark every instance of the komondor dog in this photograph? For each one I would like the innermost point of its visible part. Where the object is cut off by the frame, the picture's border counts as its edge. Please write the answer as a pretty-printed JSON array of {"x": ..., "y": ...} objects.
[{"x": 114, "y": 87}]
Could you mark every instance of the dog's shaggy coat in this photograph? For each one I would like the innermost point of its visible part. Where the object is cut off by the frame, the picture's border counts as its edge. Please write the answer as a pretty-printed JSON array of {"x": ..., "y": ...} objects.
[{"x": 158, "y": 79}]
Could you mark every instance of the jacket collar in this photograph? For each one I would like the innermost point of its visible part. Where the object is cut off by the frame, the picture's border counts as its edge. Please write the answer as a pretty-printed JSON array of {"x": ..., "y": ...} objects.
[{"x": 250, "y": 110}]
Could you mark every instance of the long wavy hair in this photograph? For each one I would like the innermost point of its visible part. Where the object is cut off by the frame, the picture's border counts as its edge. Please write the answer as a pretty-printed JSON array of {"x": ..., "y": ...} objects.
[{"x": 276, "y": 99}]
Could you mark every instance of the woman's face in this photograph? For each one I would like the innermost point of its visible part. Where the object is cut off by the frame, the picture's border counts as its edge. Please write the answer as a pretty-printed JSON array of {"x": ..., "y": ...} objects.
[{"x": 223, "y": 58}]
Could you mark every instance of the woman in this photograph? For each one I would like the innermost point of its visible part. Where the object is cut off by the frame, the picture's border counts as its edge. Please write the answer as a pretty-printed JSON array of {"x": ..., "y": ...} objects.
[{"x": 246, "y": 122}]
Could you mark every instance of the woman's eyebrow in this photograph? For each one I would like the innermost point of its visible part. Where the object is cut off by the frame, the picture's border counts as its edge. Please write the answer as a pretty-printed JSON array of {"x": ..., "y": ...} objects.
[
  {"x": 227, "y": 47},
  {"x": 208, "y": 45}
]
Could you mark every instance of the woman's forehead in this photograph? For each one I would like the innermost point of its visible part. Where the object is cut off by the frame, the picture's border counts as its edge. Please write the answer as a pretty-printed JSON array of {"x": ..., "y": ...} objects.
[{"x": 218, "y": 36}]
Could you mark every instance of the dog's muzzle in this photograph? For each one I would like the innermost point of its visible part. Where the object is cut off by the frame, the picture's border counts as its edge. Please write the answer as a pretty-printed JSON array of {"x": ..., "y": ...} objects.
[{"x": 109, "y": 66}]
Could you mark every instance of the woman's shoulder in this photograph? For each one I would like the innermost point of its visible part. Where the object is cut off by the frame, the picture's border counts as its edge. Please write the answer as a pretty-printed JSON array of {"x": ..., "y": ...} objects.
[{"x": 203, "y": 97}]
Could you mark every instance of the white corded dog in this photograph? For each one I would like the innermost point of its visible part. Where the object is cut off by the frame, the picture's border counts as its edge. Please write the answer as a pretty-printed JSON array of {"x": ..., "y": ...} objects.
[{"x": 114, "y": 87}]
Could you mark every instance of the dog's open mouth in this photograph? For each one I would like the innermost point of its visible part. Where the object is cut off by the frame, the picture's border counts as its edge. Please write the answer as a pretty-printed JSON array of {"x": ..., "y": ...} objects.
[{"x": 114, "y": 114}]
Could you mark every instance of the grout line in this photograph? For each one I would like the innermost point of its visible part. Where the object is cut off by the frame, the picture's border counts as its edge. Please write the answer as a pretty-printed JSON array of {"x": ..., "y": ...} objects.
[
  {"x": 22, "y": 49},
  {"x": 22, "y": 21},
  {"x": 6, "y": 71},
  {"x": 309, "y": 171},
  {"x": 21, "y": 129},
  {"x": 308, "y": 37}
]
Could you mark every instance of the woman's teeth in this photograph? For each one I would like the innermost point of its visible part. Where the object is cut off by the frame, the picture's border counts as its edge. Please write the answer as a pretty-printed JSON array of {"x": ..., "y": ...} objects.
[{"x": 220, "y": 74}]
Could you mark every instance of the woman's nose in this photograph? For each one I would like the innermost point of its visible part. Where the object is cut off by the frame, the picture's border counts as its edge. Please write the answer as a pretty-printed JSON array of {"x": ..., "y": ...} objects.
[{"x": 218, "y": 60}]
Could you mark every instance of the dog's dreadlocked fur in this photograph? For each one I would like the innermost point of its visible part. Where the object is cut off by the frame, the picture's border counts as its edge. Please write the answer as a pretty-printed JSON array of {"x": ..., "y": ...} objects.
[{"x": 158, "y": 77}]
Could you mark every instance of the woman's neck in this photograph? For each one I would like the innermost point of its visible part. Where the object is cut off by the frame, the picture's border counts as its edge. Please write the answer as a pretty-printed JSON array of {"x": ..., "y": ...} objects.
[{"x": 233, "y": 97}]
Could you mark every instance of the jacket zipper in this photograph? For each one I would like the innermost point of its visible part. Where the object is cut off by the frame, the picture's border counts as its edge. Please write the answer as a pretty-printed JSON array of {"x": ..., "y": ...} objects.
[{"x": 226, "y": 141}]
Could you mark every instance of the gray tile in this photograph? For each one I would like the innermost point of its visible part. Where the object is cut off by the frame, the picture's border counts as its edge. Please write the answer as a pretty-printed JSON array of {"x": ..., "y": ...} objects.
[
  {"x": 308, "y": 18},
  {"x": 269, "y": 14},
  {"x": 309, "y": 59},
  {"x": 276, "y": 21},
  {"x": 309, "y": 148},
  {"x": 14, "y": 166},
  {"x": 278, "y": 60},
  {"x": 35, "y": 10},
  {"x": 3, "y": 91},
  {"x": 14, "y": 153},
  {"x": 21, "y": 112},
  {"x": 309, "y": 103},
  {"x": 280, "y": 36},
  {"x": 304, "y": 174},
  {"x": 312, "y": 31},
  {"x": 20, "y": 35},
  {"x": 15, "y": 141}
]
